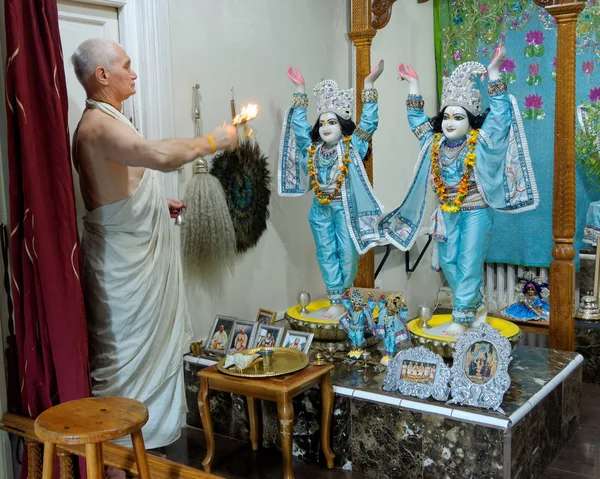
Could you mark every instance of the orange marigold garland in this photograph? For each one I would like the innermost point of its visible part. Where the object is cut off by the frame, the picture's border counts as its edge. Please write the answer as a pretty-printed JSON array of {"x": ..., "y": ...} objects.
[
  {"x": 452, "y": 206},
  {"x": 322, "y": 197}
]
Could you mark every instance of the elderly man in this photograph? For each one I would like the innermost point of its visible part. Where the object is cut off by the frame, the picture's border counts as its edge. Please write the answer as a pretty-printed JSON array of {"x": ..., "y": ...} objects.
[{"x": 136, "y": 307}]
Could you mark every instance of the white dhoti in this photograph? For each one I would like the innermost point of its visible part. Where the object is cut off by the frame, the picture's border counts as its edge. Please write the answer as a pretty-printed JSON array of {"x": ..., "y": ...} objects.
[{"x": 138, "y": 322}]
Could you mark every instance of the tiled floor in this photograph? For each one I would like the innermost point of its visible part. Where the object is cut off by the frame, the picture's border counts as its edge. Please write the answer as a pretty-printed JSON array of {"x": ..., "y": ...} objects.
[{"x": 580, "y": 459}]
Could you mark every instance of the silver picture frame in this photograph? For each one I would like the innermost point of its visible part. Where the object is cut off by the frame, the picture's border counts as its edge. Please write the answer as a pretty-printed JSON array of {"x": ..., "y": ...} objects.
[
  {"x": 292, "y": 335},
  {"x": 250, "y": 326},
  {"x": 479, "y": 374},
  {"x": 424, "y": 383},
  {"x": 277, "y": 333},
  {"x": 228, "y": 322}
]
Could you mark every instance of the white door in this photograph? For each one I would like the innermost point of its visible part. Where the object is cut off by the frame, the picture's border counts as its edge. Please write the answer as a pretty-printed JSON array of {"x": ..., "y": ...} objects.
[{"x": 79, "y": 22}]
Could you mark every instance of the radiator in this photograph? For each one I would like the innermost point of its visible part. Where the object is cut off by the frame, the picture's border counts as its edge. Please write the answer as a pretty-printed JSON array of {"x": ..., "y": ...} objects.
[{"x": 500, "y": 282}]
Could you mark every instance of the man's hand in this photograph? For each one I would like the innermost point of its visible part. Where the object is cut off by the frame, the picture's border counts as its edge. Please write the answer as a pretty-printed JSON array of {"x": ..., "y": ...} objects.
[
  {"x": 175, "y": 207},
  {"x": 226, "y": 137}
]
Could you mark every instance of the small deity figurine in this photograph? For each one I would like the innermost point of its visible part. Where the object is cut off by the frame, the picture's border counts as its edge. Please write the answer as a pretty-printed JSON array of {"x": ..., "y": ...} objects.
[
  {"x": 478, "y": 162},
  {"x": 391, "y": 324},
  {"x": 327, "y": 158},
  {"x": 532, "y": 293},
  {"x": 357, "y": 318}
]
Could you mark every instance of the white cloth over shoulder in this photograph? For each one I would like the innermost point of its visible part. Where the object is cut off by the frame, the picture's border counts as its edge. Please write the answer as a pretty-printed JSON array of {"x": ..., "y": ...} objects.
[{"x": 138, "y": 322}]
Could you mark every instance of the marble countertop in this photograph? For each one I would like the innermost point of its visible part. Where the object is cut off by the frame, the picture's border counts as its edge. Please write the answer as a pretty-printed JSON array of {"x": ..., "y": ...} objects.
[{"x": 534, "y": 373}]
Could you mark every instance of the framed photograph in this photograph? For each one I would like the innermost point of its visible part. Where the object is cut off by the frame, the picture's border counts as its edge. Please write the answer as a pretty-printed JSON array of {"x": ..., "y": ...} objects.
[
  {"x": 240, "y": 336},
  {"x": 220, "y": 335},
  {"x": 298, "y": 340},
  {"x": 266, "y": 336},
  {"x": 418, "y": 372},
  {"x": 265, "y": 316},
  {"x": 480, "y": 370}
]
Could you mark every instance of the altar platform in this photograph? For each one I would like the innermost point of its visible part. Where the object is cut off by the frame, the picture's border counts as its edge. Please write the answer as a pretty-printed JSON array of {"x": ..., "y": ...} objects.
[{"x": 386, "y": 435}]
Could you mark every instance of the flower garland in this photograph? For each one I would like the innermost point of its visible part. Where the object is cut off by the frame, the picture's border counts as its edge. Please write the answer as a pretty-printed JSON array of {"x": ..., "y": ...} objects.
[
  {"x": 452, "y": 206},
  {"x": 322, "y": 197}
]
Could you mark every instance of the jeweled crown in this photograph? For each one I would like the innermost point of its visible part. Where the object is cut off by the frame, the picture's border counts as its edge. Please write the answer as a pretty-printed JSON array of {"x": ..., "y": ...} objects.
[
  {"x": 331, "y": 99},
  {"x": 459, "y": 89}
]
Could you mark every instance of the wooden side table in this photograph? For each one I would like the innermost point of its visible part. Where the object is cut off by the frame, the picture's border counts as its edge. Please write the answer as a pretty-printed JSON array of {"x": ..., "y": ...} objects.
[{"x": 280, "y": 389}]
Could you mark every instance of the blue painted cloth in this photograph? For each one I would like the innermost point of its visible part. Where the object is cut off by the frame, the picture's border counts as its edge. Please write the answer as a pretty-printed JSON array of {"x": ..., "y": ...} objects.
[{"x": 529, "y": 33}]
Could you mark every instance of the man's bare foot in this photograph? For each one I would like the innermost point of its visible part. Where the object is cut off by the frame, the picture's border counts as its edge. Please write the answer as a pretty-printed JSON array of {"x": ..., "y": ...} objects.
[{"x": 334, "y": 311}]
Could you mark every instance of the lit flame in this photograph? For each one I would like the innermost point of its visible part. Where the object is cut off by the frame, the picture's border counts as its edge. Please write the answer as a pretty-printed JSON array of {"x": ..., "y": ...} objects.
[{"x": 248, "y": 113}]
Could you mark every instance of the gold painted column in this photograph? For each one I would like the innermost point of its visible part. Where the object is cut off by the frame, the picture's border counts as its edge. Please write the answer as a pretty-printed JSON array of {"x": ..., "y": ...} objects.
[
  {"x": 362, "y": 33},
  {"x": 562, "y": 269}
]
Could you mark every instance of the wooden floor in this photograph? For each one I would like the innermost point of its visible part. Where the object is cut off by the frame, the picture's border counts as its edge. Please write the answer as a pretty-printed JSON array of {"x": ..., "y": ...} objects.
[{"x": 580, "y": 459}]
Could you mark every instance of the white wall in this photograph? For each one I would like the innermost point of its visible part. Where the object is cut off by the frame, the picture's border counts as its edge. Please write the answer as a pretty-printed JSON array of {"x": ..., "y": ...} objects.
[
  {"x": 407, "y": 38},
  {"x": 248, "y": 45}
]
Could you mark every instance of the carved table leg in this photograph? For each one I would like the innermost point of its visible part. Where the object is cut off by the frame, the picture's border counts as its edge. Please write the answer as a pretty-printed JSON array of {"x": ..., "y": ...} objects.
[
  {"x": 204, "y": 407},
  {"x": 34, "y": 460},
  {"x": 253, "y": 419},
  {"x": 66, "y": 465},
  {"x": 285, "y": 411},
  {"x": 326, "y": 413}
]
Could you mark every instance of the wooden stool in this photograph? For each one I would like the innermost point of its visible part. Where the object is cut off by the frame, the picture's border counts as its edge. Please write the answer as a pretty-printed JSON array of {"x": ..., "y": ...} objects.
[{"x": 92, "y": 421}]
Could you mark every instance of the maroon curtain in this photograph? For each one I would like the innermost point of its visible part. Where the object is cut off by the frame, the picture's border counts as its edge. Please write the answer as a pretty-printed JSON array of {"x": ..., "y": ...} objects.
[{"x": 48, "y": 302}]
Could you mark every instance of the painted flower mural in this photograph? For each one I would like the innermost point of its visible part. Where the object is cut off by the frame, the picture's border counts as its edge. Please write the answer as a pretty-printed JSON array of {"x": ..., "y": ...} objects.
[
  {"x": 534, "y": 77},
  {"x": 535, "y": 44},
  {"x": 587, "y": 67},
  {"x": 594, "y": 94},
  {"x": 507, "y": 70},
  {"x": 534, "y": 108}
]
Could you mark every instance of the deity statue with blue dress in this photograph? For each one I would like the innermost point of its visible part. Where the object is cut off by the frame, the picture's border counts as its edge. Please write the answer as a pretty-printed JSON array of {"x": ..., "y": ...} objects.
[
  {"x": 327, "y": 158},
  {"x": 532, "y": 300},
  {"x": 391, "y": 324},
  {"x": 357, "y": 319},
  {"x": 477, "y": 162}
]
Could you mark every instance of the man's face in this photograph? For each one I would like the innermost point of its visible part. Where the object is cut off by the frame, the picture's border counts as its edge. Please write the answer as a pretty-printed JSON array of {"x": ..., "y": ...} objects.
[
  {"x": 455, "y": 123},
  {"x": 221, "y": 328},
  {"x": 121, "y": 78},
  {"x": 329, "y": 128},
  {"x": 243, "y": 331}
]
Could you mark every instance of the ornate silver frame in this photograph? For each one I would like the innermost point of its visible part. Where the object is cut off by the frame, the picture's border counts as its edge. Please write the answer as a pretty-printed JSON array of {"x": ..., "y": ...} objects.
[
  {"x": 438, "y": 390},
  {"x": 490, "y": 394}
]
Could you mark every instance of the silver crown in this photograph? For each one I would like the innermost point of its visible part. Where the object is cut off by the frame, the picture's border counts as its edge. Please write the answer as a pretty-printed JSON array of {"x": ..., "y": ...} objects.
[
  {"x": 459, "y": 90},
  {"x": 331, "y": 99}
]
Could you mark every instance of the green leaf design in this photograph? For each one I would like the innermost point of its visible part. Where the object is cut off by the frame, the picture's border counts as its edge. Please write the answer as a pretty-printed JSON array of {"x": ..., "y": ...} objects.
[
  {"x": 537, "y": 79},
  {"x": 528, "y": 114},
  {"x": 530, "y": 80},
  {"x": 539, "y": 50},
  {"x": 529, "y": 51},
  {"x": 539, "y": 114}
]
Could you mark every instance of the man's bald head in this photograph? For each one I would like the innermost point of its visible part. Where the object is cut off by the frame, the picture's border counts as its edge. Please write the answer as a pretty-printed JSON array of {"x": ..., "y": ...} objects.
[{"x": 91, "y": 54}]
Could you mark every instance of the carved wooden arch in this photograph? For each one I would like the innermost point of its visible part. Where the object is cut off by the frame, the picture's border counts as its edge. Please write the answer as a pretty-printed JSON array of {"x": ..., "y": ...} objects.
[{"x": 368, "y": 16}]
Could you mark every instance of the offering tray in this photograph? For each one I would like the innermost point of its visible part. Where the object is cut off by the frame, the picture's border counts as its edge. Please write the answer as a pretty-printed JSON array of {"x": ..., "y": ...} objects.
[
  {"x": 444, "y": 346},
  {"x": 283, "y": 361}
]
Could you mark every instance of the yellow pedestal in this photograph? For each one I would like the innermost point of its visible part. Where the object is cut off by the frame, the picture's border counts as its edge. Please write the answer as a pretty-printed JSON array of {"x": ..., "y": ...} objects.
[{"x": 445, "y": 346}]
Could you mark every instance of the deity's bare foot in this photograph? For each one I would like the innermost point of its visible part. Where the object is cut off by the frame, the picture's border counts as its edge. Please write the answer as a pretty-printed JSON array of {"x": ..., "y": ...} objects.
[
  {"x": 385, "y": 360},
  {"x": 480, "y": 318},
  {"x": 454, "y": 330},
  {"x": 335, "y": 311}
]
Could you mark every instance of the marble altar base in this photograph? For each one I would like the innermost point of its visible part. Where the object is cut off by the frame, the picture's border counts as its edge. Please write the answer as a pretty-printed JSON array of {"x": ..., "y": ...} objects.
[{"x": 386, "y": 435}]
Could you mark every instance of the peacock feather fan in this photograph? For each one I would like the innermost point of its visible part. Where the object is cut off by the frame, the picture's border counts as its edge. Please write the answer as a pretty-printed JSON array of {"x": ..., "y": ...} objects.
[{"x": 246, "y": 180}]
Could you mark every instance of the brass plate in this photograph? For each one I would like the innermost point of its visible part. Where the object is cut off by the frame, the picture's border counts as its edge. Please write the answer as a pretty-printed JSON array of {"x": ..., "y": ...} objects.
[{"x": 284, "y": 361}]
